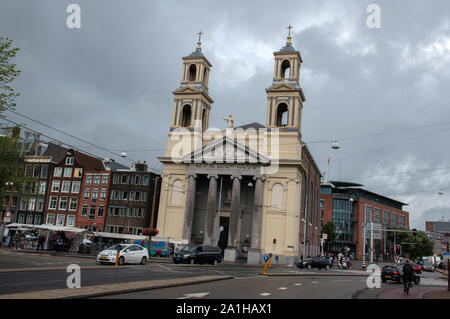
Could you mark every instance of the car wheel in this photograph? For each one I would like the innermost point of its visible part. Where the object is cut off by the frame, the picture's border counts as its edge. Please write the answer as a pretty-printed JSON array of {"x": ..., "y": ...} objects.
[
  {"x": 327, "y": 267},
  {"x": 121, "y": 260},
  {"x": 215, "y": 262},
  {"x": 309, "y": 266},
  {"x": 143, "y": 260},
  {"x": 192, "y": 261}
]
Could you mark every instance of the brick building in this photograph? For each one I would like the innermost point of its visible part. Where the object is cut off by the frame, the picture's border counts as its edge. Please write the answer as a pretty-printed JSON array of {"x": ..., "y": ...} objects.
[
  {"x": 351, "y": 207},
  {"x": 439, "y": 233},
  {"x": 133, "y": 200},
  {"x": 64, "y": 193}
]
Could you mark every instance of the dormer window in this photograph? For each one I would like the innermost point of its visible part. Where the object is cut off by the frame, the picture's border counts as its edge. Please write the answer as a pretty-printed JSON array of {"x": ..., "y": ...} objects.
[{"x": 69, "y": 160}]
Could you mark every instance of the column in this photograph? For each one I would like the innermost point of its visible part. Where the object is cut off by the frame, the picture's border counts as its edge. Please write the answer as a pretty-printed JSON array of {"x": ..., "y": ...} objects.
[
  {"x": 235, "y": 210},
  {"x": 257, "y": 215},
  {"x": 189, "y": 210},
  {"x": 254, "y": 254},
  {"x": 211, "y": 207}
]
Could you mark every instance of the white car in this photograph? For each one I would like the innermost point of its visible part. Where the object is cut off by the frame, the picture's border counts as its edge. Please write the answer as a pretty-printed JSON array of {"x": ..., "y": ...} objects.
[{"x": 128, "y": 253}]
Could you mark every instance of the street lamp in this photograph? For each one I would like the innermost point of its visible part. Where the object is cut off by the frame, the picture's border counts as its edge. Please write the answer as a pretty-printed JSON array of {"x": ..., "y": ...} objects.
[{"x": 335, "y": 145}]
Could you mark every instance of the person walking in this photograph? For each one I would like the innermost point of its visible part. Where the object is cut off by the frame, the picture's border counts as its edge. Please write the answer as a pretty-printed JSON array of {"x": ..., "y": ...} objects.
[
  {"x": 17, "y": 239},
  {"x": 41, "y": 241}
]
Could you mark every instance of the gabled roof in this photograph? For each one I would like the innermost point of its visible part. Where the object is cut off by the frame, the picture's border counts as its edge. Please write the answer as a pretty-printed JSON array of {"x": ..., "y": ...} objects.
[
  {"x": 56, "y": 152},
  {"x": 84, "y": 160},
  {"x": 225, "y": 150}
]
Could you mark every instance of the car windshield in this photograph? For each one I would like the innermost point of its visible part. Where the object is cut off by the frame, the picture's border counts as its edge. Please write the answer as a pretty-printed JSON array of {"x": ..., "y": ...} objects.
[
  {"x": 189, "y": 248},
  {"x": 117, "y": 247}
]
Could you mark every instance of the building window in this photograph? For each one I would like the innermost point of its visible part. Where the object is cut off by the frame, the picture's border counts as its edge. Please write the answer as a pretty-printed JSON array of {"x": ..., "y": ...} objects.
[
  {"x": 65, "y": 187},
  {"x": 377, "y": 216},
  {"x": 73, "y": 203},
  {"x": 322, "y": 203},
  {"x": 44, "y": 171},
  {"x": 70, "y": 220},
  {"x": 63, "y": 203},
  {"x": 38, "y": 219},
  {"x": 100, "y": 211},
  {"x": 386, "y": 218},
  {"x": 60, "y": 220},
  {"x": 37, "y": 171},
  {"x": 30, "y": 219},
  {"x": 104, "y": 180},
  {"x": 57, "y": 172},
  {"x": 88, "y": 179},
  {"x": 144, "y": 196},
  {"x": 84, "y": 210},
  {"x": 368, "y": 218},
  {"x": 282, "y": 115},
  {"x": 52, "y": 202},
  {"x": 78, "y": 172},
  {"x": 394, "y": 220},
  {"x": 42, "y": 188},
  {"x": 76, "y": 187},
  {"x": 32, "y": 204},
  {"x": 40, "y": 204},
  {"x": 145, "y": 180},
  {"x": 186, "y": 116},
  {"x": 124, "y": 179},
  {"x": 69, "y": 160},
  {"x": 92, "y": 213},
  {"x": 103, "y": 194},
  {"x": 136, "y": 179},
  {"x": 87, "y": 192},
  {"x": 401, "y": 220},
  {"x": 55, "y": 186},
  {"x": 50, "y": 219},
  {"x": 94, "y": 193},
  {"x": 124, "y": 195},
  {"x": 68, "y": 172},
  {"x": 96, "y": 179},
  {"x": 116, "y": 179}
]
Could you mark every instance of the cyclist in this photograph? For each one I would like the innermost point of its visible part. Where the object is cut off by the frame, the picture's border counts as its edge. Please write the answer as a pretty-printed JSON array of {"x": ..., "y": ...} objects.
[{"x": 407, "y": 274}]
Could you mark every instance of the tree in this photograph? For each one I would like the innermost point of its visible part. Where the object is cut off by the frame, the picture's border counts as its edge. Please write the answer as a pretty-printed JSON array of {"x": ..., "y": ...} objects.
[
  {"x": 416, "y": 243},
  {"x": 8, "y": 73},
  {"x": 330, "y": 229}
]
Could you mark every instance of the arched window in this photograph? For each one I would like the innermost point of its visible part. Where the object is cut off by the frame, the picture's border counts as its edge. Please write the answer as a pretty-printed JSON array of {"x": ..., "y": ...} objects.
[
  {"x": 177, "y": 193},
  {"x": 186, "y": 116},
  {"x": 192, "y": 72},
  {"x": 285, "y": 69},
  {"x": 277, "y": 196},
  {"x": 282, "y": 115}
]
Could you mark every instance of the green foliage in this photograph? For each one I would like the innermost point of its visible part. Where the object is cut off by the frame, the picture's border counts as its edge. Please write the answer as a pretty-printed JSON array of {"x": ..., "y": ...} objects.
[
  {"x": 330, "y": 229},
  {"x": 10, "y": 168},
  {"x": 8, "y": 73},
  {"x": 417, "y": 245}
]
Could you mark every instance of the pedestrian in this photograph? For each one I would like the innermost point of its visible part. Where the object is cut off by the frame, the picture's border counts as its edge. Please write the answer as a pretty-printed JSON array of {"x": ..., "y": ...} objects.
[
  {"x": 41, "y": 240},
  {"x": 276, "y": 260},
  {"x": 349, "y": 263},
  {"x": 17, "y": 239}
]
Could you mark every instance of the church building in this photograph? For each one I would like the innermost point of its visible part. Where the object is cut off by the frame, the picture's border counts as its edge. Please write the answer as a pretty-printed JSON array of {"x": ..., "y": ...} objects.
[{"x": 251, "y": 190}]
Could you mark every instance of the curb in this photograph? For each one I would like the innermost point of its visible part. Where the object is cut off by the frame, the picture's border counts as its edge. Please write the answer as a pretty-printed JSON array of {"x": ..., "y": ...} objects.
[
  {"x": 112, "y": 289},
  {"x": 313, "y": 274}
]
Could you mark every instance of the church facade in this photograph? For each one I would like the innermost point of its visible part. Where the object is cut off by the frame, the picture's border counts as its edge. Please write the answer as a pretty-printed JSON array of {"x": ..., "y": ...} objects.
[{"x": 251, "y": 190}]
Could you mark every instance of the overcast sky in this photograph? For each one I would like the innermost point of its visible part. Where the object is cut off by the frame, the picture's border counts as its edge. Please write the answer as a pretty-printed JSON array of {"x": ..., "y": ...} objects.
[{"x": 382, "y": 93}]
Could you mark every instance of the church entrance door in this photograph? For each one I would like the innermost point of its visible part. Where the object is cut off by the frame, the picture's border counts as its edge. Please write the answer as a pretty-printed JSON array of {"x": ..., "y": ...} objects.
[{"x": 223, "y": 239}]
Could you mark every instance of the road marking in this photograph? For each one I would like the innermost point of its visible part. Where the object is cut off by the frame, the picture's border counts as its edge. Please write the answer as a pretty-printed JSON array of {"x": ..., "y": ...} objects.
[
  {"x": 314, "y": 282},
  {"x": 282, "y": 288},
  {"x": 265, "y": 294},
  {"x": 167, "y": 268},
  {"x": 298, "y": 284},
  {"x": 194, "y": 295}
]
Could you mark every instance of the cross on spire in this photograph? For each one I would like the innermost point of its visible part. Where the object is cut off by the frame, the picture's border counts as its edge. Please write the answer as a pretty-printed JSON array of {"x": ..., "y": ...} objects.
[
  {"x": 289, "y": 27},
  {"x": 200, "y": 36}
]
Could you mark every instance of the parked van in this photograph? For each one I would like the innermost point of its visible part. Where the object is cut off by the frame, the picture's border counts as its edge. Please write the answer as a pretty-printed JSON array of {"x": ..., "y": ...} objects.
[{"x": 198, "y": 254}]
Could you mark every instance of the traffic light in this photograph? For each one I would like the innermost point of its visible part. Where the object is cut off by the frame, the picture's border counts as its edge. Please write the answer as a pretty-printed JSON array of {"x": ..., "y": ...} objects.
[{"x": 398, "y": 250}]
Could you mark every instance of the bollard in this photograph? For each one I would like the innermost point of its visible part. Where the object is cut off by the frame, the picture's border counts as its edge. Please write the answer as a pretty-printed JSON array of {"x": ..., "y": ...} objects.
[
  {"x": 270, "y": 261},
  {"x": 117, "y": 259},
  {"x": 265, "y": 268}
]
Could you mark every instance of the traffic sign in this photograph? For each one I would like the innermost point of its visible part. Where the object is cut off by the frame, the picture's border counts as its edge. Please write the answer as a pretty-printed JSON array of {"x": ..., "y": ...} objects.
[
  {"x": 325, "y": 236},
  {"x": 7, "y": 217},
  {"x": 397, "y": 259},
  {"x": 266, "y": 258}
]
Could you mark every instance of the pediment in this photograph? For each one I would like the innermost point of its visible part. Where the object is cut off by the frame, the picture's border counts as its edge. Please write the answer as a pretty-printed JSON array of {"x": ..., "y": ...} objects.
[
  {"x": 226, "y": 150},
  {"x": 186, "y": 89}
]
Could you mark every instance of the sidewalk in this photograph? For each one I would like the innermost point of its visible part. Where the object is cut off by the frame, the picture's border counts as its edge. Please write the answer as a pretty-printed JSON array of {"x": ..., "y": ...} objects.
[{"x": 417, "y": 292}]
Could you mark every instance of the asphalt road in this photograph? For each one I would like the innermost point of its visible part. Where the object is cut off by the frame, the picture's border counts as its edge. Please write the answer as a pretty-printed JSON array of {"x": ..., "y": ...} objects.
[{"x": 25, "y": 272}]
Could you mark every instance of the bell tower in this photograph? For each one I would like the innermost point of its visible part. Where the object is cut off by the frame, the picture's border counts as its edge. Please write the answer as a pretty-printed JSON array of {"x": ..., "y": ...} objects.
[
  {"x": 192, "y": 104},
  {"x": 285, "y": 97}
]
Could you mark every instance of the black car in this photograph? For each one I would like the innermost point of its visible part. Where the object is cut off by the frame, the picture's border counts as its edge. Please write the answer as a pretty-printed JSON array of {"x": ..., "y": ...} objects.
[
  {"x": 395, "y": 273},
  {"x": 198, "y": 254},
  {"x": 316, "y": 262}
]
